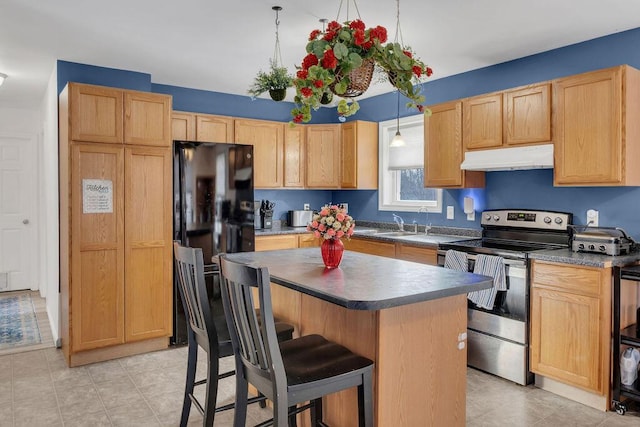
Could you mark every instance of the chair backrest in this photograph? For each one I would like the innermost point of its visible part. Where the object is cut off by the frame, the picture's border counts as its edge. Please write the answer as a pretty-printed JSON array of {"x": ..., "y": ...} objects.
[
  {"x": 254, "y": 338},
  {"x": 190, "y": 273}
]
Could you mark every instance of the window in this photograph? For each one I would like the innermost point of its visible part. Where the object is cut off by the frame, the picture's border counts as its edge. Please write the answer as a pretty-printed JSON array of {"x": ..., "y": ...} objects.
[{"x": 403, "y": 189}]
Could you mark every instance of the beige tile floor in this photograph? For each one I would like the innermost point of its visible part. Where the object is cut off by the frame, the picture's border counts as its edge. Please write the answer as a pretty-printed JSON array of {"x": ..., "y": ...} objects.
[{"x": 37, "y": 389}]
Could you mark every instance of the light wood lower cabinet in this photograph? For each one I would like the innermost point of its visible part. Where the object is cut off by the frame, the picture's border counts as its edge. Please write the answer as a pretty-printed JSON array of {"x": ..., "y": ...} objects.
[
  {"x": 571, "y": 325},
  {"x": 280, "y": 241},
  {"x": 398, "y": 250}
]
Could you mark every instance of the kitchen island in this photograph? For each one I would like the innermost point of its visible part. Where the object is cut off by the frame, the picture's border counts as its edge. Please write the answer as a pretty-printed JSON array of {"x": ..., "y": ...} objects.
[{"x": 410, "y": 318}]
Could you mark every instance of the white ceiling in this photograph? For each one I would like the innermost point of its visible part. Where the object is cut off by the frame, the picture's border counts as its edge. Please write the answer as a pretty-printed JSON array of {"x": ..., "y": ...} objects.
[{"x": 219, "y": 46}]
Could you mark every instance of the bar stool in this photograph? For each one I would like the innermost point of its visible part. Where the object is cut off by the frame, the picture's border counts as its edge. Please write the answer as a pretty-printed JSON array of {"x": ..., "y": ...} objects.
[
  {"x": 207, "y": 328},
  {"x": 292, "y": 372}
]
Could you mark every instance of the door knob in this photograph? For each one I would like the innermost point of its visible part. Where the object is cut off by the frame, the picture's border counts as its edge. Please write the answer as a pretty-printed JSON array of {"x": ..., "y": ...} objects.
[{"x": 25, "y": 221}]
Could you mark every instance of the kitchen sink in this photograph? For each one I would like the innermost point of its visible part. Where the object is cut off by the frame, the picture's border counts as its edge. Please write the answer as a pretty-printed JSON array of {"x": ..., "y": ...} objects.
[{"x": 396, "y": 233}]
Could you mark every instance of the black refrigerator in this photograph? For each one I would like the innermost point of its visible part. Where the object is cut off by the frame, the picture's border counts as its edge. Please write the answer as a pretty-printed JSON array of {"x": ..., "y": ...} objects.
[{"x": 213, "y": 210}]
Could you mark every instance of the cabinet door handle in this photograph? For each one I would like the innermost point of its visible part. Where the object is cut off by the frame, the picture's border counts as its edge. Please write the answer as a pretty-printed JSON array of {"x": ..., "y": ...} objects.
[{"x": 25, "y": 221}]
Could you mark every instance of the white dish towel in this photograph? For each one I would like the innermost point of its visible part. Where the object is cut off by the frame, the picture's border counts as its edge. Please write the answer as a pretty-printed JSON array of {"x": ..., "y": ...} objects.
[
  {"x": 456, "y": 260},
  {"x": 489, "y": 265}
]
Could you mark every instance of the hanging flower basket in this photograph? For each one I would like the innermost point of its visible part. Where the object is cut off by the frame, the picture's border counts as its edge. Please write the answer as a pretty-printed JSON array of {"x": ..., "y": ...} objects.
[
  {"x": 359, "y": 80},
  {"x": 327, "y": 97},
  {"x": 342, "y": 60},
  {"x": 277, "y": 94}
]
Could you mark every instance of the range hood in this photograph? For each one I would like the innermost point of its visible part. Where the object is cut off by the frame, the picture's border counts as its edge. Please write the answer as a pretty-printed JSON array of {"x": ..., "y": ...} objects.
[{"x": 502, "y": 159}]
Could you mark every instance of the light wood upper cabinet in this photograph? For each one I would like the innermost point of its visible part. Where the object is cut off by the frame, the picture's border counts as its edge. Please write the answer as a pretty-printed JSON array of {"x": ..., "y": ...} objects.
[
  {"x": 597, "y": 130},
  {"x": 294, "y": 156},
  {"x": 147, "y": 119},
  {"x": 527, "y": 115},
  {"x": 267, "y": 139},
  {"x": 482, "y": 121},
  {"x": 148, "y": 243},
  {"x": 571, "y": 325},
  {"x": 210, "y": 128},
  {"x": 443, "y": 149},
  {"x": 359, "y": 163},
  {"x": 183, "y": 126},
  {"x": 96, "y": 112},
  {"x": 323, "y": 156}
]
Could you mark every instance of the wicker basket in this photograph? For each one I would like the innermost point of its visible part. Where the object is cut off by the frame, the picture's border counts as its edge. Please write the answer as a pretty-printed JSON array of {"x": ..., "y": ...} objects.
[{"x": 360, "y": 79}]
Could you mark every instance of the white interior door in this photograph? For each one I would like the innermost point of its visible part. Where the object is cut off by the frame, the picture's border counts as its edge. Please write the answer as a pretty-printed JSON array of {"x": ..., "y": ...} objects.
[{"x": 18, "y": 224}]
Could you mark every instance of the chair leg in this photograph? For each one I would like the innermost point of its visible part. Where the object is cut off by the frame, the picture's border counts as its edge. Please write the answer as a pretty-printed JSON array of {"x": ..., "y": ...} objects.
[
  {"x": 365, "y": 400},
  {"x": 292, "y": 417},
  {"x": 316, "y": 413},
  {"x": 192, "y": 363},
  {"x": 242, "y": 388},
  {"x": 212, "y": 389},
  {"x": 280, "y": 414}
]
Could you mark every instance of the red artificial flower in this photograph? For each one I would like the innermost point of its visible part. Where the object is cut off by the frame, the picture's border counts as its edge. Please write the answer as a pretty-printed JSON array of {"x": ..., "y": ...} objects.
[
  {"x": 358, "y": 37},
  {"x": 314, "y": 34},
  {"x": 417, "y": 70},
  {"x": 309, "y": 61},
  {"x": 329, "y": 60},
  {"x": 298, "y": 118},
  {"x": 333, "y": 26},
  {"x": 420, "y": 108},
  {"x": 329, "y": 36},
  {"x": 318, "y": 83},
  {"x": 302, "y": 74},
  {"x": 367, "y": 45},
  {"x": 406, "y": 52},
  {"x": 429, "y": 71},
  {"x": 357, "y": 25},
  {"x": 379, "y": 33},
  {"x": 306, "y": 92}
]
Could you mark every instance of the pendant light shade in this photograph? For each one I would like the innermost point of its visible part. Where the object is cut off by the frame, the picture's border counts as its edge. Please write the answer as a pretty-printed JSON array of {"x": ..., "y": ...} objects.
[
  {"x": 409, "y": 155},
  {"x": 2, "y": 77}
]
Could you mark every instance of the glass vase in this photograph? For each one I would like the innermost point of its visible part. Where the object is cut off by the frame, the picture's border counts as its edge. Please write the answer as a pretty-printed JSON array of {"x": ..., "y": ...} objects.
[{"x": 332, "y": 250}]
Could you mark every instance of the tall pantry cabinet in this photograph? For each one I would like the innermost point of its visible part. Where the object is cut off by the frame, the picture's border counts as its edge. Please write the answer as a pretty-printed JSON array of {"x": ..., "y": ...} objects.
[{"x": 115, "y": 222}]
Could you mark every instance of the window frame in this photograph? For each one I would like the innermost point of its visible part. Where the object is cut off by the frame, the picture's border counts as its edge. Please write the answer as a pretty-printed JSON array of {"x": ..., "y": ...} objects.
[{"x": 387, "y": 180}]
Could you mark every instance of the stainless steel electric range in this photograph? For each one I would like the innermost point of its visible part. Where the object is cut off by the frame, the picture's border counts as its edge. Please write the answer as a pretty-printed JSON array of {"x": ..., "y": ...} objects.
[{"x": 498, "y": 339}]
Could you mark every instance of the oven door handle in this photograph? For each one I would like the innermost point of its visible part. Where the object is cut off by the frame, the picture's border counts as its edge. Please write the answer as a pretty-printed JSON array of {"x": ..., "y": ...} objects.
[{"x": 507, "y": 261}]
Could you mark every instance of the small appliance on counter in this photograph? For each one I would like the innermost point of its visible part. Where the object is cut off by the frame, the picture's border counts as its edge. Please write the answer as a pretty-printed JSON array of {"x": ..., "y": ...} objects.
[
  {"x": 602, "y": 240},
  {"x": 299, "y": 218}
]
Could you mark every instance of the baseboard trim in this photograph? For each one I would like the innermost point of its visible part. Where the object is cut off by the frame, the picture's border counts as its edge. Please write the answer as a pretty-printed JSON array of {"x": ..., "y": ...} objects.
[
  {"x": 117, "y": 351},
  {"x": 578, "y": 395}
]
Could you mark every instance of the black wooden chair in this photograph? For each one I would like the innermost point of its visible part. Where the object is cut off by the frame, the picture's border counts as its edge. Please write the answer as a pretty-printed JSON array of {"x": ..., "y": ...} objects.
[
  {"x": 208, "y": 329},
  {"x": 292, "y": 372}
]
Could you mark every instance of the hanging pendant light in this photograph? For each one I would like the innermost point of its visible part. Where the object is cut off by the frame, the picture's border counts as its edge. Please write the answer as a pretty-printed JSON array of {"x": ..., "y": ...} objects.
[
  {"x": 397, "y": 140},
  {"x": 2, "y": 77}
]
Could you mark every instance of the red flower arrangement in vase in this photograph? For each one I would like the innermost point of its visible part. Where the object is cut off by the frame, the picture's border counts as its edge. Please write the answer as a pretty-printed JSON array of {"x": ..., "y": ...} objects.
[{"x": 331, "y": 224}]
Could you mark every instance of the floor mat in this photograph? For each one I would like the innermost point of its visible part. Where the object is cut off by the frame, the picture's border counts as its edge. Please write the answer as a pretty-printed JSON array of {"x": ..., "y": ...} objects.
[{"x": 18, "y": 323}]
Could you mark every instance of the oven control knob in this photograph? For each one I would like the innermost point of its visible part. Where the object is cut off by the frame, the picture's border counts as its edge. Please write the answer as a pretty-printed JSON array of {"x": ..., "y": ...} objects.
[
  {"x": 580, "y": 246},
  {"x": 558, "y": 220},
  {"x": 592, "y": 247},
  {"x": 496, "y": 217},
  {"x": 547, "y": 220},
  {"x": 487, "y": 217},
  {"x": 602, "y": 248}
]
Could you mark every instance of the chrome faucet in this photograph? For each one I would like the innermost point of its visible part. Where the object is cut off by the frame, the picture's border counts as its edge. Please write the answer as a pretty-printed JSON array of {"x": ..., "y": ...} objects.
[
  {"x": 398, "y": 219},
  {"x": 427, "y": 224},
  {"x": 415, "y": 226}
]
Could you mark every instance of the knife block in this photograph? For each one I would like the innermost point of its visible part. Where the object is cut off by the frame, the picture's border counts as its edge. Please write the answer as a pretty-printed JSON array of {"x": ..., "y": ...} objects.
[{"x": 266, "y": 217}]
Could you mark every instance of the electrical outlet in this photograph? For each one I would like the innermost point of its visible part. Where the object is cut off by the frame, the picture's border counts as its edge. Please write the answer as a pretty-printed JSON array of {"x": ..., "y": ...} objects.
[
  {"x": 306, "y": 206},
  {"x": 471, "y": 216},
  {"x": 592, "y": 218},
  {"x": 345, "y": 206},
  {"x": 449, "y": 212}
]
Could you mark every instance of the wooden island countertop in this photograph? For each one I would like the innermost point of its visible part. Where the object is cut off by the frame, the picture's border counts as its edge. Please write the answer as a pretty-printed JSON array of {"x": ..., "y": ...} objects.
[{"x": 409, "y": 318}]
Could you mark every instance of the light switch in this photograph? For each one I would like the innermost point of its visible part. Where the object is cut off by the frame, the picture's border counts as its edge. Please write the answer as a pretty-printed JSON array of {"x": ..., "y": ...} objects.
[{"x": 449, "y": 212}]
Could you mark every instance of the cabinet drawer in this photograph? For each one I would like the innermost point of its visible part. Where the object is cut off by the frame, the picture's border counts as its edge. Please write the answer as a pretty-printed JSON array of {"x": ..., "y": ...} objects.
[
  {"x": 269, "y": 243},
  {"x": 371, "y": 247},
  {"x": 417, "y": 254},
  {"x": 582, "y": 280}
]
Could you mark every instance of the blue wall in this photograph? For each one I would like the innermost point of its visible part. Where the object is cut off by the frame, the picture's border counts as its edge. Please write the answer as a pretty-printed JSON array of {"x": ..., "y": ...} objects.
[{"x": 520, "y": 189}]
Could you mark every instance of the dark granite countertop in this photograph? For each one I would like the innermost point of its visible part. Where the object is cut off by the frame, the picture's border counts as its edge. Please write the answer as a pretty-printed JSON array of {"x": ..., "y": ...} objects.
[
  {"x": 377, "y": 234},
  {"x": 567, "y": 256},
  {"x": 363, "y": 282}
]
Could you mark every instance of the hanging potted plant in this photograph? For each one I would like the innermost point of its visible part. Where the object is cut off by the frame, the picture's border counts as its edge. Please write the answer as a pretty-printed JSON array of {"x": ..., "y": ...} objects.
[
  {"x": 276, "y": 82},
  {"x": 341, "y": 60}
]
